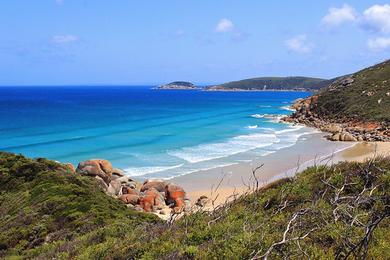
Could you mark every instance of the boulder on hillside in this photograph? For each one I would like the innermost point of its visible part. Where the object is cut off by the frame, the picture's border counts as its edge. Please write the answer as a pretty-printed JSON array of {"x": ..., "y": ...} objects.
[
  {"x": 114, "y": 188},
  {"x": 96, "y": 167},
  {"x": 130, "y": 199},
  {"x": 102, "y": 183},
  {"x": 69, "y": 167},
  {"x": 151, "y": 200},
  {"x": 129, "y": 190},
  {"x": 156, "y": 184},
  {"x": 176, "y": 195},
  {"x": 118, "y": 172}
]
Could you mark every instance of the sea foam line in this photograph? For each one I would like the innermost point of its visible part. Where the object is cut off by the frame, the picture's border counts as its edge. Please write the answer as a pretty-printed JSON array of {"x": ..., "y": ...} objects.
[
  {"x": 139, "y": 171},
  {"x": 288, "y": 108},
  {"x": 235, "y": 145}
]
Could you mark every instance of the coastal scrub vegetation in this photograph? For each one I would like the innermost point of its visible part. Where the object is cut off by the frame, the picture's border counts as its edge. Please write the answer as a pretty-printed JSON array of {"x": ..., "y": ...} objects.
[
  {"x": 364, "y": 95},
  {"x": 337, "y": 211},
  {"x": 279, "y": 83}
]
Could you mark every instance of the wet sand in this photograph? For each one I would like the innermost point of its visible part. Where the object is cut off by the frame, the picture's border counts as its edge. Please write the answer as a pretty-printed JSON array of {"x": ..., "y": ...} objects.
[{"x": 224, "y": 183}]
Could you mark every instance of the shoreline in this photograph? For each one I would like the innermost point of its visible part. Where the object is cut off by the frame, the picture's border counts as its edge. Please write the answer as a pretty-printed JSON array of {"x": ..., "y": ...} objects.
[{"x": 223, "y": 184}]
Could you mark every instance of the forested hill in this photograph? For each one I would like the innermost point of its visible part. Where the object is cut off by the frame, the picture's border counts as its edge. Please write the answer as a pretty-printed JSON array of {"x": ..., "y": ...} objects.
[{"x": 274, "y": 83}]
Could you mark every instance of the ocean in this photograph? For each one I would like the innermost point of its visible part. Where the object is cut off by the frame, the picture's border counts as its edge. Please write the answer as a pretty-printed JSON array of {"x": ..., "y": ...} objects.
[{"x": 149, "y": 133}]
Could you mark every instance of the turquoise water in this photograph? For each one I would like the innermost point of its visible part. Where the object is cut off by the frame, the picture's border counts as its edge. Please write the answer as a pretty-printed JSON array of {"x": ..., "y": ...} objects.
[{"x": 149, "y": 133}]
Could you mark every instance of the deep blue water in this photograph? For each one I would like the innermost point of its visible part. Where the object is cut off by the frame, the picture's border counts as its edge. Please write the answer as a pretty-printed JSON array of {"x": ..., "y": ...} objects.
[{"x": 147, "y": 132}]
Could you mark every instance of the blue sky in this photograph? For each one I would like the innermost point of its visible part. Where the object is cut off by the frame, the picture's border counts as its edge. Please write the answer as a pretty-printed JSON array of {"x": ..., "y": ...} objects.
[{"x": 54, "y": 42}]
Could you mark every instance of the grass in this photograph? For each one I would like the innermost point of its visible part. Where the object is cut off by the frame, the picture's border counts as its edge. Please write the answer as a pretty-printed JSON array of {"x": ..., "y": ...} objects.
[
  {"x": 360, "y": 100},
  {"x": 327, "y": 212}
]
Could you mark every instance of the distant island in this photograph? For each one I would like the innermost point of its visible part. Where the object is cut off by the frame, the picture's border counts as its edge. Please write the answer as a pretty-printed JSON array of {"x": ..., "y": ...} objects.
[
  {"x": 179, "y": 85},
  {"x": 273, "y": 83}
]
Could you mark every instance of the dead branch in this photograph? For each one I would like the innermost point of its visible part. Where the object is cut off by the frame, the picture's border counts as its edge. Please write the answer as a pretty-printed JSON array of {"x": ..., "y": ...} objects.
[{"x": 285, "y": 233}]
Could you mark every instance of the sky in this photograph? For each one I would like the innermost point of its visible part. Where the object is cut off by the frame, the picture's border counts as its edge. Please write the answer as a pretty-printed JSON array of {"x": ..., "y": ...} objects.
[{"x": 129, "y": 42}]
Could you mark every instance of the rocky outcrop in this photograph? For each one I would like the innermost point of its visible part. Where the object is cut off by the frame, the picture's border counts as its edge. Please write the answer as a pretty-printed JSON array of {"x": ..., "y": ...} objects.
[
  {"x": 96, "y": 167},
  {"x": 153, "y": 196},
  {"x": 152, "y": 200},
  {"x": 341, "y": 130},
  {"x": 69, "y": 167},
  {"x": 130, "y": 199},
  {"x": 175, "y": 195},
  {"x": 156, "y": 184}
]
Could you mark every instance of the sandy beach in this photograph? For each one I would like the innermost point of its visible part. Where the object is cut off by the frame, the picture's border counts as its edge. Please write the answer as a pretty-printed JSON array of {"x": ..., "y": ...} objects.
[{"x": 224, "y": 183}]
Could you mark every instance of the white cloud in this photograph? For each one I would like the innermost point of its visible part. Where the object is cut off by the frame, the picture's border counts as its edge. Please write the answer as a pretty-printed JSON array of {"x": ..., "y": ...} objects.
[
  {"x": 379, "y": 44},
  {"x": 337, "y": 16},
  {"x": 299, "y": 44},
  {"x": 224, "y": 25},
  {"x": 377, "y": 18},
  {"x": 64, "y": 38}
]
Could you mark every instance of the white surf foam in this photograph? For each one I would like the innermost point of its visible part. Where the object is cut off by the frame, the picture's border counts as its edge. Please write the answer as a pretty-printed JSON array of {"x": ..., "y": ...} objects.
[
  {"x": 288, "y": 108},
  {"x": 139, "y": 171},
  {"x": 252, "y": 126},
  {"x": 235, "y": 145},
  {"x": 268, "y": 116},
  {"x": 257, "y": 116},
  {"x": 291, "y": 135},
  {"x": 290, "y": 129},
  {"x": 275, "y": 118}
]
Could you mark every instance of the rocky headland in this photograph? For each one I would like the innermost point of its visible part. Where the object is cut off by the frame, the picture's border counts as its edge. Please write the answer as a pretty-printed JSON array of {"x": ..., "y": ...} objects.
[
  {"x": 353, "y": 108},
  {"x": 340, "y": 130}
]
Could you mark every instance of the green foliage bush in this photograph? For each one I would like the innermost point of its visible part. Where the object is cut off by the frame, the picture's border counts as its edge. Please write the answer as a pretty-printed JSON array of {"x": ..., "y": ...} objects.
[
  {"x": 365, "y": 99},
  {"x": 47, "y": 212}
]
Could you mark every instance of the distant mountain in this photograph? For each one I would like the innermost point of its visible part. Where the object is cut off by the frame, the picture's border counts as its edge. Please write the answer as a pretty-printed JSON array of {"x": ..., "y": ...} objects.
[
  {"x": 274, "y": 83},
  {"x": 181, "y": 85}
]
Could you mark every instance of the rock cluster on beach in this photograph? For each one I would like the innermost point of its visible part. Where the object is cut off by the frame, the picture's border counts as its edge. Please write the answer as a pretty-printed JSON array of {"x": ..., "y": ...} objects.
[
  {"x": 155, "y": 196},
  {"x": 342, "y": 129}
]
